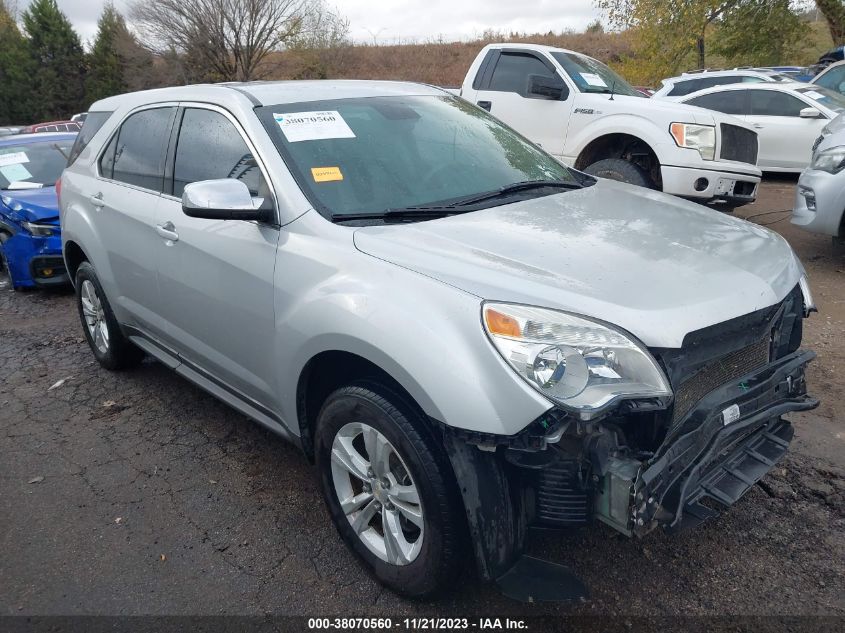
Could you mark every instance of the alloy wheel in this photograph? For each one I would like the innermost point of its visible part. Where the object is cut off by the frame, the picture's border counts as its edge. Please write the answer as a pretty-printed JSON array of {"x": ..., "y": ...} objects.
[
  {"x": 377, "y": 493},
  {"x": 95, "y": 316}
]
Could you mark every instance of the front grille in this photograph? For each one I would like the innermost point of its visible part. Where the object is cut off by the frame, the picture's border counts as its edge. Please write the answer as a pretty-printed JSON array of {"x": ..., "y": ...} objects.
[
  {"x": 723, "y": 370},
  {"x": 738, "y": 144},
  {"x": 561, "y": 500}
]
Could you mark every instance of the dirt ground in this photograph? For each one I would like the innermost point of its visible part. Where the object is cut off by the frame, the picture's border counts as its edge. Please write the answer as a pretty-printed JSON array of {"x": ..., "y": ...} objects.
[{"x": 137, "y": 493}]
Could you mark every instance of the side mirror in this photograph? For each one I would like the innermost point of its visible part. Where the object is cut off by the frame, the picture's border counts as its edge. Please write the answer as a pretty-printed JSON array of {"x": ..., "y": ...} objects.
[
  {"x": 547, "y": 87},
  {"x": 810, "y": 113},
  {"x": 224, "y": 199}
]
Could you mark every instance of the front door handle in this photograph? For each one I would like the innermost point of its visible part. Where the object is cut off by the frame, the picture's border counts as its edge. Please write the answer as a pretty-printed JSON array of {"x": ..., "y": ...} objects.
[
  {"x": 485, "y": 105},
  {"x": 758, "y": 126},
  {"x": 97, "y": 201},
  {"x": 167, "y": 231}
]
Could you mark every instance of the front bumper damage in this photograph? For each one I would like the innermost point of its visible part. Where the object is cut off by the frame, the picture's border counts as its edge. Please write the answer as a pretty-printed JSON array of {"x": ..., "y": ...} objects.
[{"x": 561, "y": 472}]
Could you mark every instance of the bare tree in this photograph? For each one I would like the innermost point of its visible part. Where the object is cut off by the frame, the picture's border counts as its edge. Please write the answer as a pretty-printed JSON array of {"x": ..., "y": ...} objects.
[{"x": 222, "y": 40}]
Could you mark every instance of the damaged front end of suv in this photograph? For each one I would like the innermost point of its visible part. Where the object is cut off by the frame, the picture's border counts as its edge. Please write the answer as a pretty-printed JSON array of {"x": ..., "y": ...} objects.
[{"x": 641, "y": 439}]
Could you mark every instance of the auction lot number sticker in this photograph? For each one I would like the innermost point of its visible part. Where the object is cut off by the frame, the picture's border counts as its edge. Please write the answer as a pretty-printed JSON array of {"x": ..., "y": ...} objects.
[
  {"x": 313, "y": 126},
  {"x": 417, "y": 624}
]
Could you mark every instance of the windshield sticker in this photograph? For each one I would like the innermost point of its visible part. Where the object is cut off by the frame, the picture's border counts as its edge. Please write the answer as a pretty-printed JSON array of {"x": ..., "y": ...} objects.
[
  {"x": 814, "y": 95},
  {"x": 313, "y": 126},
  {"x": 13, "y": 158},
  {"x": 15, "y": 172},
  {"x": 594, "y": 80},
  {"x": 326, "y": 174}
]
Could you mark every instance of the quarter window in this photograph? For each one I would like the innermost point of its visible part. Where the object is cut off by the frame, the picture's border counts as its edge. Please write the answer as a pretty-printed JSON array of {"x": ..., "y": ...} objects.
[
  {"x": 209, "y": 148},
  {"x": 773, "y": 103},
  {"x": 512, "y": 70},
  {"x": 140, "y": 149}
]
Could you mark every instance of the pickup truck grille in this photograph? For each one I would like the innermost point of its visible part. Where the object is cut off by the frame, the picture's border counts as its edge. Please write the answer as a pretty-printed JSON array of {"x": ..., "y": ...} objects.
[
  {"x": 723, "y": 370},
  {"x": 738, "y": 144}
]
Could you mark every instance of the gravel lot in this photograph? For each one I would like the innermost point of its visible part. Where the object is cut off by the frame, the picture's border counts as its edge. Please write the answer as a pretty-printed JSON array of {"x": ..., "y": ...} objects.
[{"x": 137, "y": 493}]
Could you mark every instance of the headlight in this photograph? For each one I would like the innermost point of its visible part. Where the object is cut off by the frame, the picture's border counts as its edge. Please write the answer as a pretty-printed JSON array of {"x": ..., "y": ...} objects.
[
  {"x": 40, "y": 230},
  {"x": 580, "y": 364},
  {"x": 700, "y": 137},
  {"x": 809, "y": 303},
  {"x": 830, "y": 160}
]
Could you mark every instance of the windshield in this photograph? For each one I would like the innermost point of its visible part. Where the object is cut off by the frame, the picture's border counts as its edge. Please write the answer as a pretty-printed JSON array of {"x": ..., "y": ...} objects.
[
  {"x": 370, "y": 155},
  {"x": 33, "y": 164},
  {"x": 828, "y": 98},
  {"x": 590, "y": 75}
]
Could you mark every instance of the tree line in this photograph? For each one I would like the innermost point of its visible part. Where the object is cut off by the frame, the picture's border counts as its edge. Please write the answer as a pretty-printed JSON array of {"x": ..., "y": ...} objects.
[
  {"x": 677, "y": 35},
  {"x": 46, "y": 73}
]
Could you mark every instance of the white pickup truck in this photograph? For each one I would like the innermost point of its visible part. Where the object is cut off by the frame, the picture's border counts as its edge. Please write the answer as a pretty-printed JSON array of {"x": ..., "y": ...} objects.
[{"x": 588, "y": 117}]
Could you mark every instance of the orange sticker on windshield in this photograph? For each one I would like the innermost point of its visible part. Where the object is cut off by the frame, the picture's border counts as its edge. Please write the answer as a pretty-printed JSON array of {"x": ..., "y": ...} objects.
[{"x": 326, "y": 174}]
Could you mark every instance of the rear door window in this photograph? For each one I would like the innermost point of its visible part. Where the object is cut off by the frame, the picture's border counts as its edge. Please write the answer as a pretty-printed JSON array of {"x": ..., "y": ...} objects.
[
  {"x": 682, "y": 88},
  {"x": 210, "y": 148},
  {"x": 727, "y": 101},
  {"x": 141, "y": 148}
]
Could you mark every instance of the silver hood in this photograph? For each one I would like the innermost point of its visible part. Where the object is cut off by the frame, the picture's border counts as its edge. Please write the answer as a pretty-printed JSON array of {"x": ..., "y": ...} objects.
[{"x": 654, "y": 265}]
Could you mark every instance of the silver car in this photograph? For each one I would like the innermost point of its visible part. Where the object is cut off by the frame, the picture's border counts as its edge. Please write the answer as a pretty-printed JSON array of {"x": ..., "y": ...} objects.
[
  {"x": 466, "y": 337},
  {"x": 820, "y": 195}
]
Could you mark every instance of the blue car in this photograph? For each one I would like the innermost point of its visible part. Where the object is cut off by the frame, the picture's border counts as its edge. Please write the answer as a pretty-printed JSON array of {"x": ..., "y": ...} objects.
[{"x": 30, "y": 236}]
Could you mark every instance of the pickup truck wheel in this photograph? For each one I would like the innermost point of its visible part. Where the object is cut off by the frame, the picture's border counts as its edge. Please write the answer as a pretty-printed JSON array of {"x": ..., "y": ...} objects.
[
  {"x": 621, "y": 170},
  {"x": 111, "y": 348},
  {"x": 387, "y": 487}
]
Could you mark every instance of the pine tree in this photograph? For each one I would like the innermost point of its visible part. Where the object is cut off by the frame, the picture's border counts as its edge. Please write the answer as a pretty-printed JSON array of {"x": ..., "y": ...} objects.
[
  {"x": 55, "y": 49},
  {"x": 15, "y": 72},
  {"x": 106, "y": 65}
]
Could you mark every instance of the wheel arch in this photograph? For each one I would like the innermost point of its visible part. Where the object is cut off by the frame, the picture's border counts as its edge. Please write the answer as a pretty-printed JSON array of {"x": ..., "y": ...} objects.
[
  {"x": 74, "y": 256},
  {"x": 329, "y": 370},
  {"x": 625, "y": 146}
]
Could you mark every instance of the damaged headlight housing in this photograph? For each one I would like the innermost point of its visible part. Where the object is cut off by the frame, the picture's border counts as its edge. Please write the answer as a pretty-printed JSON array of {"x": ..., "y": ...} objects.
[
  {"x": 693, "y": 136},
  {"x": 830, "y": 160},
  {"x": 40, "y": 230},
  {"x": 578, "y": 363}
]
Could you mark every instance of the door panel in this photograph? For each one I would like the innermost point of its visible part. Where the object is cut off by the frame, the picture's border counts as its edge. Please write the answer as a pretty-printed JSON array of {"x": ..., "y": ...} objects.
[
  {"x": 216, "y": 276},
  {"x": 786, "y": 140},
  {"x": 125, "y": 200},
  {"x": 542, "y": 121}
]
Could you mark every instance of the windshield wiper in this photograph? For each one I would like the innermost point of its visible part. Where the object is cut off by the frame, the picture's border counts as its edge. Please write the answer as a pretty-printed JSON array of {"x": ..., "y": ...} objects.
[
  {"x": 406, "y": 213},
  {"x": 462, "y": 205},
  {"x": 517, "y": 187}
]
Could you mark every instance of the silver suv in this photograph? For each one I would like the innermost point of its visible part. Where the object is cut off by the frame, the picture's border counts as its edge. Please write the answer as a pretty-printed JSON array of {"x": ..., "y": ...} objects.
[{"x": 465, "y": 336}]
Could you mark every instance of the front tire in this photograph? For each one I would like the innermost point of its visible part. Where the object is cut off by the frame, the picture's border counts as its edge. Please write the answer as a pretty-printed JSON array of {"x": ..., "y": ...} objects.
[
  {"x": 111, "y": 348},
  {"x": 621, "y": 171},
  {"x": 389, "y": 489}
]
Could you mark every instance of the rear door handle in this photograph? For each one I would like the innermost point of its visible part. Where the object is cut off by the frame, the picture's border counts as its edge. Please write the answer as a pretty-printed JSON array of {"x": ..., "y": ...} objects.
[
  {"x": 97, "y": 201},
  {"x": 485, "y": 105},
  {"x": 167, "y": 231}
]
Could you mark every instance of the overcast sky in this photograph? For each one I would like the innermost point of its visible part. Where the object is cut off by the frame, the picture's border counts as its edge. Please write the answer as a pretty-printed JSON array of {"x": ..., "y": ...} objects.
[{"x": 392, "y": 20}]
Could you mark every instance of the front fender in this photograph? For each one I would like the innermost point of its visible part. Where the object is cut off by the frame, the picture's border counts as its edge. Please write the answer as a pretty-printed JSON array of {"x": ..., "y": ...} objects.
[
  {"x": 641, "y": 127},
  {"x": 425, "y": 334}
]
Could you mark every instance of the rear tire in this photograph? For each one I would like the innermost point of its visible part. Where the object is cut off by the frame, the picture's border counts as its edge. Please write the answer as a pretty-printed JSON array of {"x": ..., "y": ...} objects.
[
  {"x": 406, "y": 485},
  {"x": 102, "y": 331},
  {"x": 621, "y": 171}
]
